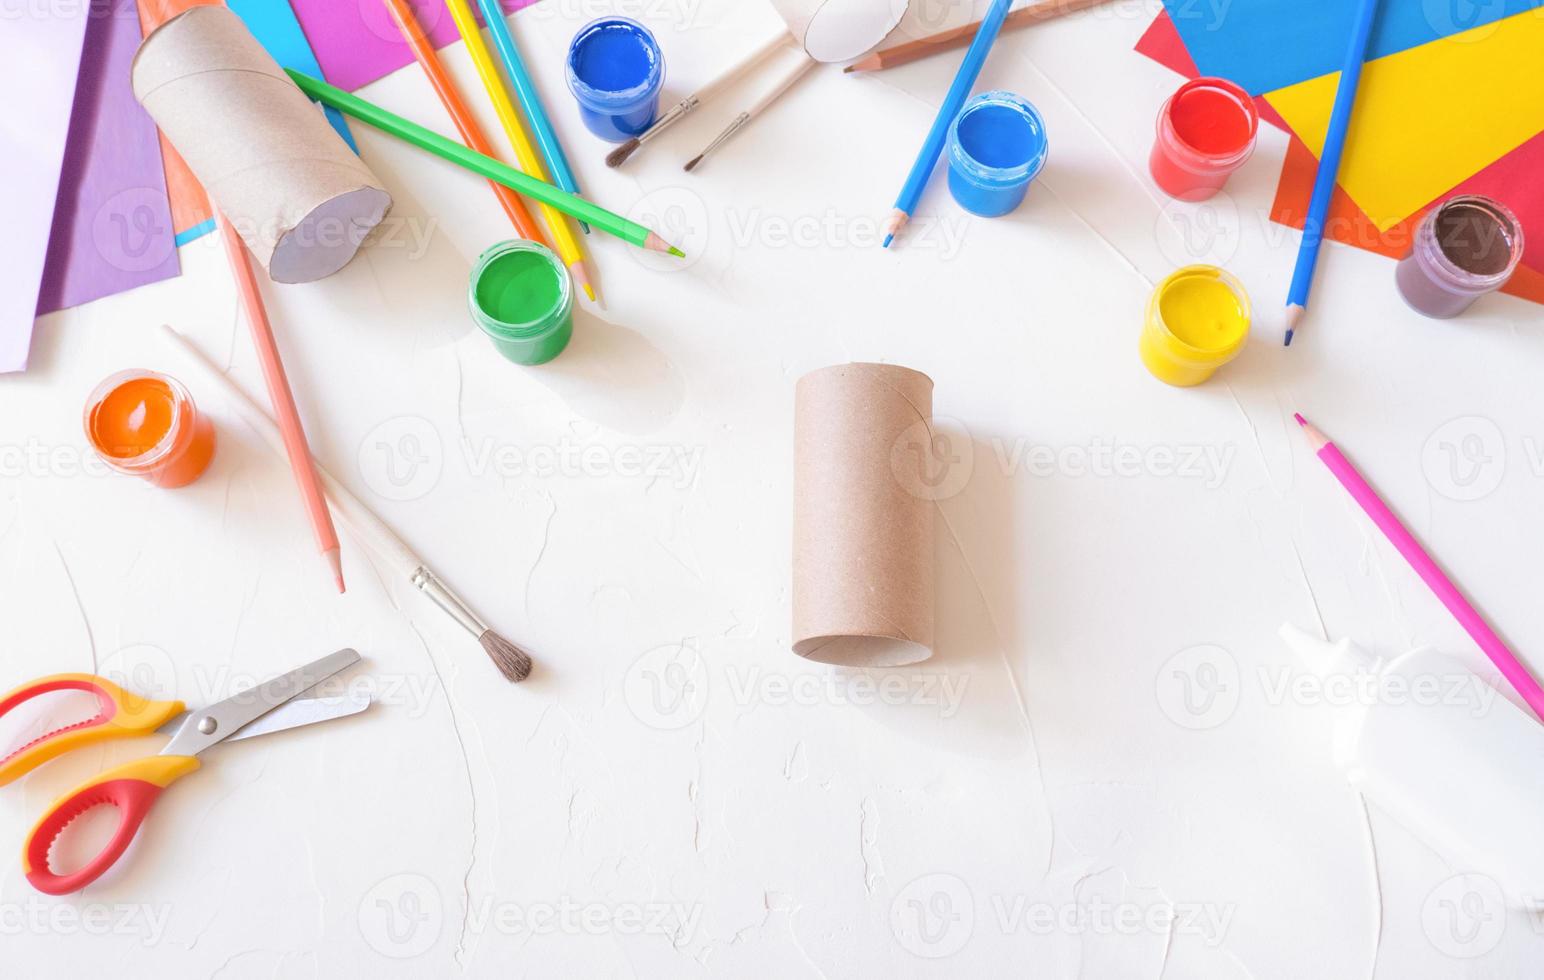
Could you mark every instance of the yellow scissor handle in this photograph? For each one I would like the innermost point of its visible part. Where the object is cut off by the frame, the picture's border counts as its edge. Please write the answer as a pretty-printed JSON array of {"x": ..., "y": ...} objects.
[
  {"x": 120, "y": 714},
  {"x": 133, "y": 788}
]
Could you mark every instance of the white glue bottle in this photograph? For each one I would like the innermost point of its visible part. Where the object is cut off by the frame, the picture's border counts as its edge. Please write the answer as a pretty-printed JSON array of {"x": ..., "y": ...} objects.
[{"x": 1441, "y": 751}]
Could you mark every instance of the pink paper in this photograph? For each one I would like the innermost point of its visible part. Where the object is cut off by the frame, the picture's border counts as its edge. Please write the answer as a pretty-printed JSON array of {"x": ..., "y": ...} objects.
[
  {"x": 357, "y": 43},
  {"x": 39, "y": 59},
  {"x": 112, "y": 227}
]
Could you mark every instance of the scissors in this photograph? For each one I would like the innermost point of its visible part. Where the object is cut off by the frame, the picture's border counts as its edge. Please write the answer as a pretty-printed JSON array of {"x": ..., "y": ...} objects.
[{"x": 134, "y": 787}]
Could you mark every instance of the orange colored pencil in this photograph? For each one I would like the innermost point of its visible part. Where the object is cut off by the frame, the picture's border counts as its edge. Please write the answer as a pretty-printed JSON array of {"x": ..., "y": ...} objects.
[
  {"x": 465, "y": 122},
  {"x": 283, "y": 400},
  {"x": 958, "y": 37}
]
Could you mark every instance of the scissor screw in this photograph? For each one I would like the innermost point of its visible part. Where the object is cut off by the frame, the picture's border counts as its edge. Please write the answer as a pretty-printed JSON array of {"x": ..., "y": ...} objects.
[{"x": 207, "y": 726}]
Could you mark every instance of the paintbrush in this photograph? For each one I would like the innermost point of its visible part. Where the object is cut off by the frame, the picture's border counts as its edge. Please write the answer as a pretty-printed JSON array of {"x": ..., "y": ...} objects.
[
  {"x": 681, "y": 109},
  {"x": 513, "y": 662},
  {"x": 739, "y": 122}
]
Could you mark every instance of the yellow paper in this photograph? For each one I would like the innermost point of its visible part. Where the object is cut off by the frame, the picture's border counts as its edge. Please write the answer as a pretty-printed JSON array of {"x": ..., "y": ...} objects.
[{"x": 1429, "y": 118}]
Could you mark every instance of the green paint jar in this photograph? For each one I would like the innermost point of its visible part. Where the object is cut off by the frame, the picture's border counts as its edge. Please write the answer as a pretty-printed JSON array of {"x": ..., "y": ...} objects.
[{"x": 522, "y": 298}]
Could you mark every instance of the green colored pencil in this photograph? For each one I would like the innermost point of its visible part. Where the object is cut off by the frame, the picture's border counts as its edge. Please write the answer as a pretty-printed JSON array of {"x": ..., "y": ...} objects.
[{"x": 485, "y": 166}]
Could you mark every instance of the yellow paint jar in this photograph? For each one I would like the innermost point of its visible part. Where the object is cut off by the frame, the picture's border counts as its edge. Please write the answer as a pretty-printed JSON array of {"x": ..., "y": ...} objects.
[{"x": 1197, "y": 321}]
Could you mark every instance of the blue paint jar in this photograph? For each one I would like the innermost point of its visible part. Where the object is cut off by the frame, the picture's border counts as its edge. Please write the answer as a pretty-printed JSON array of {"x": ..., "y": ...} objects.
[
  {"x": 997, "y": 145},
  {"x": 615, "y": 70}
]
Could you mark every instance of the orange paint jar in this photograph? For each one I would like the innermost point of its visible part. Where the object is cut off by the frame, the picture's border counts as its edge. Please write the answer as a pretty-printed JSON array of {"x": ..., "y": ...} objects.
[{"x": 145, "y": 424}]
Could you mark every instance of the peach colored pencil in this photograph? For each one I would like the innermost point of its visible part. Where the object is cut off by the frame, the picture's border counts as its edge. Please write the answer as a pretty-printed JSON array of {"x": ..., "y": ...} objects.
[
  {"x": 958, "y": 37},
  {"x": 283, "y": 401},
  {"x": 466, "y": 123}
]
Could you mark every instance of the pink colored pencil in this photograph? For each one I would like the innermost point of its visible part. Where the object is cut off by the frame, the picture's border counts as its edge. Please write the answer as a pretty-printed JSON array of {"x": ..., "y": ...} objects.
[
  {"x": 1434, "y": 577},
  {"x": 283, "y": 400}
]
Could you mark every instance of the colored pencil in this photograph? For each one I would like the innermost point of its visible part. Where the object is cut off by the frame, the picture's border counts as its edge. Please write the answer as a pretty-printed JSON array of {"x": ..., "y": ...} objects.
[
  {"x": 905, "y": 54},
  {"x": 783, "y": 84},
  {"x": 687, "y": 105},
  {"x": 480, "y": 164},
  {"x": 530, "y": 100},
  {"x": 283, "y": 401},
  {"x": 563, "y": 240},
  {"x": 1329, "y": 166},
  {"x": 1434, "y": 577},
  {"x": 366, "y": 527},
  {"x": 466, "y": 123},
  {"x": 954, "y": 101}
]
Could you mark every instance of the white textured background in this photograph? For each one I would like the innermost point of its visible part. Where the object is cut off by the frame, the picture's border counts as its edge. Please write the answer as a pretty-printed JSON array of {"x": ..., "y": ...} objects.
[{"x": 674, "y": 794}]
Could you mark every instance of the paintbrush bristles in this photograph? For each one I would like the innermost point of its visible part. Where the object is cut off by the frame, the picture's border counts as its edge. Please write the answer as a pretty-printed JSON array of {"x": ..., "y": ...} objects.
[
  {"x": 513, "y": 662},
  {"x": 619, "y": 156}
]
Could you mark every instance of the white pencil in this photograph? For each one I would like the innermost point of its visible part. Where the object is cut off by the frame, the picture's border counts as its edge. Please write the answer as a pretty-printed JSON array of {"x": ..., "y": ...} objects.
[
  {"x": 681, "y": 109},
  {"x": 739, "y": 122},
  {"x": 513, "y": 662}
]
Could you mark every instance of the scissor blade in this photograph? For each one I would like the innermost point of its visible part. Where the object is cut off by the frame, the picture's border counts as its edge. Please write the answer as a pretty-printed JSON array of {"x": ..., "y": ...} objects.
[
  {"x": 296, "y": 714},
  {"x": 220, "y": 721}
]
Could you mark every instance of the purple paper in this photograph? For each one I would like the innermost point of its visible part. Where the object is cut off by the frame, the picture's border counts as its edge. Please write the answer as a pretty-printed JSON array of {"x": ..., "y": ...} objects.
[
  {"x": 356, "y": 41},
  {"x": 112, "y": 227}
]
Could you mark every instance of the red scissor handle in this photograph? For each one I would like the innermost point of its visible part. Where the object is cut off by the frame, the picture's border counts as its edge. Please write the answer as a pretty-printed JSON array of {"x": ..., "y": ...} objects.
[
  {"x": 132, "y": 788},
  {"x": 120, "y": 714}
]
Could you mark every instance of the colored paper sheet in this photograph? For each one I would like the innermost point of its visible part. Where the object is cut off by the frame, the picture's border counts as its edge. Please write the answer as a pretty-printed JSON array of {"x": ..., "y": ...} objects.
[
  {"x": 1270, "y": 44},
  {"x": 39, "y": 63},
  {"x": 192, "y": 215},
  {"x": 274, "y": 25},
  {"x": 357, "y": 43},
  {"x": 1512, "y": 180},
  {"x": 1162, "y": 43},
  {"x": 112, "y": 226},
  {"x": 1419, "y": 126}
]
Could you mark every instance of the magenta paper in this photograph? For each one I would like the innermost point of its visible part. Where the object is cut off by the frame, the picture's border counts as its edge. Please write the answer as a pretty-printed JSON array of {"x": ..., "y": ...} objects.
[
  {"x": 112, "y": 226},
  {"x": 356, "y": 42}
]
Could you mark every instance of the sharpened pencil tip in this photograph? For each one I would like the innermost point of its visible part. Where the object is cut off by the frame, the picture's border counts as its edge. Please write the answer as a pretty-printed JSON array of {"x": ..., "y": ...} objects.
[
  {"x": 849, "y": 70},
  {"x": 335, "y": 563},
  {"x": 589, "y": 291},
  {"x": 1287, "y": 341},
  {"x": 677, "y": 252},
  {"x": 888, "y": 240},
  {"x": 1299, "y": 417}
]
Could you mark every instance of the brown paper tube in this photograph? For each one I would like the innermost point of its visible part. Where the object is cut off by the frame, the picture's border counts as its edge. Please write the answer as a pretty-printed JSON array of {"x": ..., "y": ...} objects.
[
  {"x": 862, "y": 536},
  {"x": 840, "y": 30},
  {"x": 299, "y": 197}
]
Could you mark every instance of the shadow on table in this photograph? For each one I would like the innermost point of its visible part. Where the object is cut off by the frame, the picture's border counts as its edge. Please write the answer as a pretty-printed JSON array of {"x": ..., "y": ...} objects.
[{"x": 614, "y": 376}]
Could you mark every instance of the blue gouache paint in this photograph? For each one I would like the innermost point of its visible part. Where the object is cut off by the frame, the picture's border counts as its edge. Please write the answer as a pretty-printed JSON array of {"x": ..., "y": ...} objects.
[
  {"x": 615, "y": 70},
  {"x": 997, "y": 145}
]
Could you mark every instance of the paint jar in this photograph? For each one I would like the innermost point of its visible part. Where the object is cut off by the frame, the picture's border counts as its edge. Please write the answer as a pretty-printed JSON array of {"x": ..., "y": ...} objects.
[
  {"x": 144, "y": 424},
  {"x": 1205, "y": 132},
  {"x": 997, "y": 145},
  {"x": 1464, "y": 248},
  {"x": 1197, "y": 321},
  {"x": 615, "y": 70},
  {"x": 522, "y": 298}
]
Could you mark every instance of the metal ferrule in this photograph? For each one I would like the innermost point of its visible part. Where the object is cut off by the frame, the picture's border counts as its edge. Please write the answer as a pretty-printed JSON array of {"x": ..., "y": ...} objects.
[
  {"x": 734, "y": 127},
  {"x": 426, "y": 582},
  {"x": 674, "y": 115}
]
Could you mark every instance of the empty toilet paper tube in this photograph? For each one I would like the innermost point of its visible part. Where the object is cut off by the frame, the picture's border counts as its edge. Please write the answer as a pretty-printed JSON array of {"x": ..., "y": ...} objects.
[
  {"x": 863, "y": 525},
  {"x": 840, "y": 30},
  {"x": 301, "y": 200}
]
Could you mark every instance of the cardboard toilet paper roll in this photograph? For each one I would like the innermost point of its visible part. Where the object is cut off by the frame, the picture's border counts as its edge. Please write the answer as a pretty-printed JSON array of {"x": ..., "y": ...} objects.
[
  {"x": 862, "y": 533},
  {"x": 840, "y": 30},
  {"x": 301, "y": 200}
]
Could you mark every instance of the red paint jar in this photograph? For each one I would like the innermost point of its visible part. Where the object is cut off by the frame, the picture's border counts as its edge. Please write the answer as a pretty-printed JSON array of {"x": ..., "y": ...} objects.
[{"x": 1205, "y": 132}]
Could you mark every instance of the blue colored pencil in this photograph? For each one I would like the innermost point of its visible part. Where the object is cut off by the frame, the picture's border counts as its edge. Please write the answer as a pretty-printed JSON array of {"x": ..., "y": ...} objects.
[
  {"x": 530, "y": 99},
  {"x": 1329, "y": 167},
  {"x": 927, "y": 159}
]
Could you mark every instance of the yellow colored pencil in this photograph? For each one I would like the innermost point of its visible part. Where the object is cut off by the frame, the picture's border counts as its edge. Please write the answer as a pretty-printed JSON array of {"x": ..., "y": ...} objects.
[{"x": 526, "y": 155}]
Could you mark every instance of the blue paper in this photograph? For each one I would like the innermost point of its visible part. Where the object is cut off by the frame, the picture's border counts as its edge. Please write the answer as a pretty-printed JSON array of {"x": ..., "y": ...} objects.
[
  {"x": 1265, "y": 45},
  {"x": 274, "y": 25}
]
